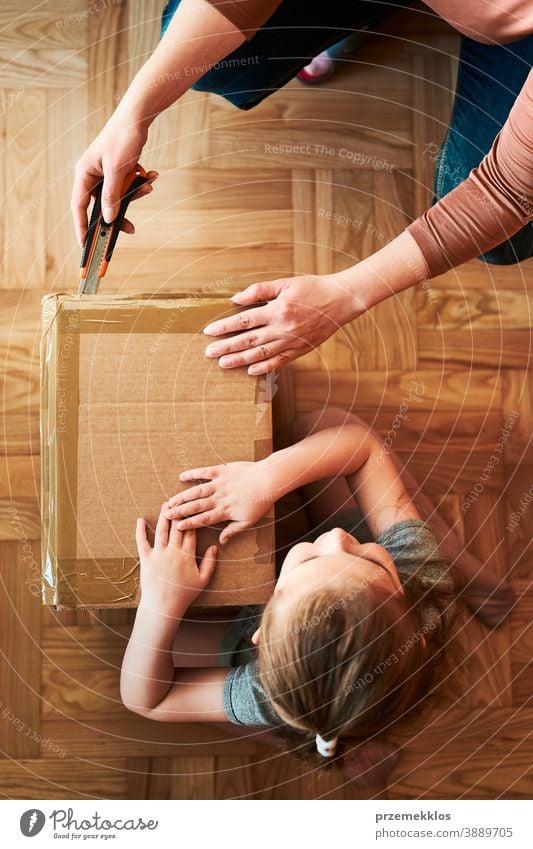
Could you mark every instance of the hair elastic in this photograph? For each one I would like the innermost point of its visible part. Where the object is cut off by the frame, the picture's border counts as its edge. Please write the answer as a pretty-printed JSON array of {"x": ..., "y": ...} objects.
[{"x": 326, "y": 748}]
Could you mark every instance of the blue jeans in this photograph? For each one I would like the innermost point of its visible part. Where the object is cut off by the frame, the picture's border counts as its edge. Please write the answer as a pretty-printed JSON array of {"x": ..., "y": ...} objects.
[
  {"x": 297, "y": 31},
  {"x": 490, "y": 78}
]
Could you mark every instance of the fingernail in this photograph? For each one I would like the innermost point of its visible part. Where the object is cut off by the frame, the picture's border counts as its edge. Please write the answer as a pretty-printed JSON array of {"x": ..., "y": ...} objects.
[
  {"x": 107, "y": 212},
  {"x": 208, "y": 329},
  {"x": 236, "y": 296},
  {"x": 252, "y": 370}
]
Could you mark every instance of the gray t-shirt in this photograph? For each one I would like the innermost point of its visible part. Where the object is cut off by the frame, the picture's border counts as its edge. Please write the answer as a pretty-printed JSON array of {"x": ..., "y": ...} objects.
[{"x": 412, "y": 546}]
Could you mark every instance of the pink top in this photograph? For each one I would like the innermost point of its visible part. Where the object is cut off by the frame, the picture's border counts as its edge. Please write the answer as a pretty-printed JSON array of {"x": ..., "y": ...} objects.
[{"x": 496, "y": 199}]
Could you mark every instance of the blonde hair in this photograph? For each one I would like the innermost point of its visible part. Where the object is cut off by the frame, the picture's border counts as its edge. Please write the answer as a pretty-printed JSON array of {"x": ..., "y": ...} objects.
[{"x": 355, "y": 664}]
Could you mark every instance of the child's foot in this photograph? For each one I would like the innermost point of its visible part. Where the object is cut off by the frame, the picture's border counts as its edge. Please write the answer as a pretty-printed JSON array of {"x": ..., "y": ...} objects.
[{"x": 492, "y": 606}]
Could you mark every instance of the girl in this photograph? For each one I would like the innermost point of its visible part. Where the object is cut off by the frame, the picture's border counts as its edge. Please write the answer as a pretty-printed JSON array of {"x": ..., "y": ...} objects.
[{"x": 360, "y": 615}]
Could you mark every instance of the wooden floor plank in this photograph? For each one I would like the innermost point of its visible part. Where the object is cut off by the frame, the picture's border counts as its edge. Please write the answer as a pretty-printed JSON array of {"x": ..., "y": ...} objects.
[
  {"x": 20, "y": 718},
  {"x": 24, "y": 206},
  {"x": 467, "y": 754},
  {"x": 63, "y": 779}
]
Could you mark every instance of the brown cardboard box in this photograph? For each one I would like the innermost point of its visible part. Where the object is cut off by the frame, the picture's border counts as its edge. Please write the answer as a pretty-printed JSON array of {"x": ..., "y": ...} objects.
[{"x": 128, "y": 401}]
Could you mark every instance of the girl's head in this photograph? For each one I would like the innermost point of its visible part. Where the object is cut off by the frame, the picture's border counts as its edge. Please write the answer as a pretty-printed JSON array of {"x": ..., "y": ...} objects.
[{"x": 342, "y": 645}]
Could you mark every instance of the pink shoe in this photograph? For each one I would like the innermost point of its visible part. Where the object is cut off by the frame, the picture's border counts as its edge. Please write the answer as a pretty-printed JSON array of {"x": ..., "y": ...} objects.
[{"x": 319, "y": 69}]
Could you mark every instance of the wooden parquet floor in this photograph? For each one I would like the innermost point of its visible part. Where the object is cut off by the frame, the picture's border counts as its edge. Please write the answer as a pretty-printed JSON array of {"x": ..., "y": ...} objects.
[{"x": 229, "y": 210}]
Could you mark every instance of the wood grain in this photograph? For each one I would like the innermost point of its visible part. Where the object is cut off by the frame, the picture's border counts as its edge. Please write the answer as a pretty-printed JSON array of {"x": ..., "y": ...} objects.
[{"x": 310, "y": 182}]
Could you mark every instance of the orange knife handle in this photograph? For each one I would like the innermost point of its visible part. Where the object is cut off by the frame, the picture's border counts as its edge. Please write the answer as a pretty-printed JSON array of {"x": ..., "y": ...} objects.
[{"x": 132, "y": 183}]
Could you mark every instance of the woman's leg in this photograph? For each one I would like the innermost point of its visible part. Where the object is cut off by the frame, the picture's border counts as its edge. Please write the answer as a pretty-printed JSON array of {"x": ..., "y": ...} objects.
[
  {"x": 489, "y": 81},
  {"x": 287, "y": 42}
]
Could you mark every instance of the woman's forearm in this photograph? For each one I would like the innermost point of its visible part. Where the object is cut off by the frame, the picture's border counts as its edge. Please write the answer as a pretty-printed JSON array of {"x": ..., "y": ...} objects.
[
  {"x": 147, "y": 668},
  {"x": 396, "y": 266},
  {"x": 197, "y": 37}
]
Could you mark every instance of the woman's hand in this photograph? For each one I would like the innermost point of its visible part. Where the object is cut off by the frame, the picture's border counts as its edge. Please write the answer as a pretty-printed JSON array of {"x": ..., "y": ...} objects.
[
  {"x": 113, "y": 154},
  {"x": 301, "y": 314},
  {"x": 240, "y": 493},
  {"x": 170, "y": 578}
]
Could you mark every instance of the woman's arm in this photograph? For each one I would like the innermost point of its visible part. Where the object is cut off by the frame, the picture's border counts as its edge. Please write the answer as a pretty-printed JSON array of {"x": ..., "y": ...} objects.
[
  {"x": 492, "y": 204},
  {"x": 170, "y": 581},
  {"x": 197, "y": 37}
]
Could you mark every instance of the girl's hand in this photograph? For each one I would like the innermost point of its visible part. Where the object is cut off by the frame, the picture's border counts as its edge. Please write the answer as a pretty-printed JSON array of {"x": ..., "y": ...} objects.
[
  {"x": 170, "y": 578},
  {"x": 301, "y": 314},
  {"x": 236, "y": 492}
]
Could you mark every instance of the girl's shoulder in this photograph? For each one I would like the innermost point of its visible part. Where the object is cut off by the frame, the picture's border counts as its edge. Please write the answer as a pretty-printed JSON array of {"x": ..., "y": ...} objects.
[
  {"x": 413, "y": 546},
  {"x": 244, "y": 699}
]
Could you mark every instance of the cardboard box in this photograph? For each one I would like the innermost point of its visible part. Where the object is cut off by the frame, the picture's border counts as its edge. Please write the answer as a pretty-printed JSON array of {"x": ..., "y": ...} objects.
[{"x": 129, "y": 400}]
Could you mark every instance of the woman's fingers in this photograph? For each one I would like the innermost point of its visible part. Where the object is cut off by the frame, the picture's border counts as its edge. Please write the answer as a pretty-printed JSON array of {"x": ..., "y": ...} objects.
[
  {"x": 254, "y": 355},
  {"x": 274, "y": 362},
  {"x": 242, "y": 342},
  {"x": 266, "y": 291},
  {"x": 127, "y": 227},
  {"x": 147, "y": 187},
  {"x": 256, "y": 317},
  {"x": 82, "y": 190},
  {"x": 162, "y": 528}
]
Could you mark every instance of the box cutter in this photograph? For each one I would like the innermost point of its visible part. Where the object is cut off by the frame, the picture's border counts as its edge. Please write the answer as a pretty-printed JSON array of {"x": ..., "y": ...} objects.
[{"x": 102, "y": 237}]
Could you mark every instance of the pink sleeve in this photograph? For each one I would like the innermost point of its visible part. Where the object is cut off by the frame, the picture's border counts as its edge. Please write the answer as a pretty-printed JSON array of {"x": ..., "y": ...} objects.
[{"x": 493, "y": 203}]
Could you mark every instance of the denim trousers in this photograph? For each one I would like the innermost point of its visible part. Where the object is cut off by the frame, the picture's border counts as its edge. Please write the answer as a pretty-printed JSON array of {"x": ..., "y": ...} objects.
[{"x": 489, "y": 80}]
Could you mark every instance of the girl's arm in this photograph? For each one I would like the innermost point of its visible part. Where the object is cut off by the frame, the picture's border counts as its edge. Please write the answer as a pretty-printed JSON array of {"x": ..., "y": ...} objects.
[
  {"x": 356, "y": 452},
  {"x": 170, "y": 581},
  {"x": 243, "y": 492}
]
